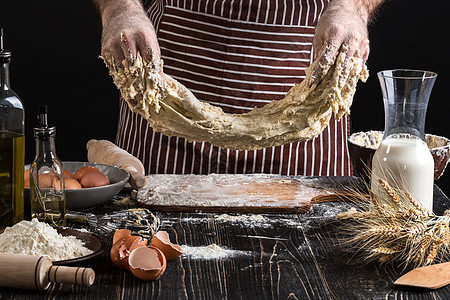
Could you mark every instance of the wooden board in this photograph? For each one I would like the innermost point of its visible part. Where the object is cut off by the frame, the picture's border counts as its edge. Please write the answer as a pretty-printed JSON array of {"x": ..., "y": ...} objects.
[{"x": 257, "y": 193}]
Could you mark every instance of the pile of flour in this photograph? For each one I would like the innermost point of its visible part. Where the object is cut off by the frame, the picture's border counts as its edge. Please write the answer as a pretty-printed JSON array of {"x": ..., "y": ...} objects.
[{"x": 38, "y": 238}]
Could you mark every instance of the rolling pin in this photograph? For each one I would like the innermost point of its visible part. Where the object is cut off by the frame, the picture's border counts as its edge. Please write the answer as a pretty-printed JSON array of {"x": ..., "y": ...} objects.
[
  {"x": 108, "y": 153},
  {"x": 37, "y": 272}
]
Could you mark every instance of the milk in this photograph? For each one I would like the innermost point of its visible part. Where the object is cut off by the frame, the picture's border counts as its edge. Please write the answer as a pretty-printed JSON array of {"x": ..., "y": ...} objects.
[{"x": 407, "y": 163}]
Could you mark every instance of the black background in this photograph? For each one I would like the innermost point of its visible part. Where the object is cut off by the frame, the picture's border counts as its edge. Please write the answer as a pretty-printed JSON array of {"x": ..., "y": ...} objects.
[{"x": 56, "y": 44}]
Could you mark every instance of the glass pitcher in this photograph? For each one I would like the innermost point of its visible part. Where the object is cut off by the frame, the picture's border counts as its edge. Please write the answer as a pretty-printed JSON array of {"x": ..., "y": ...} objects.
[{"x": 403, "y": 158}]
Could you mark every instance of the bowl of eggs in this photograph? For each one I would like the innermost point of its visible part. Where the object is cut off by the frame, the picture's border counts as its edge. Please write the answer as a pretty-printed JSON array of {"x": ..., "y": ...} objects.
[
  {"x": 86, "y": 184},
  {"x": 362, "y": 147}
]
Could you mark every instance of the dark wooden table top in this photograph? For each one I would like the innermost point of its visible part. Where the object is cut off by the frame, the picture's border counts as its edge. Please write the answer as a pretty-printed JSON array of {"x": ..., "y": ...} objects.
[{"x": 276, "y": 256}]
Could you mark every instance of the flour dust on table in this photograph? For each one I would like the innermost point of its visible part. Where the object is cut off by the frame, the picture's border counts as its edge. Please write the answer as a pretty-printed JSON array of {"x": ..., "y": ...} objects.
[{"x": 212, "y": 251}]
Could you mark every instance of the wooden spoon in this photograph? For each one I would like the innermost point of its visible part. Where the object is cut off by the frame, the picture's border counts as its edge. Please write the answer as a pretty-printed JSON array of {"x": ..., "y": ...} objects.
[{"x": 430, "y": 277}]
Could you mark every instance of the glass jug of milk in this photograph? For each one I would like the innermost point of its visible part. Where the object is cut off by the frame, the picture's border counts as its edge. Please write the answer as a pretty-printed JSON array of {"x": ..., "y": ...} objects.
[{"x": 403, "y": 158}]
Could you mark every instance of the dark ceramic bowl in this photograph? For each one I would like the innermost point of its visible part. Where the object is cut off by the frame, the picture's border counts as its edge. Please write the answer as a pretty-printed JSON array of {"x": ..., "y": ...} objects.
[
  {"x": 361, "y": 157},
  {"x": 79, "y": 199}
]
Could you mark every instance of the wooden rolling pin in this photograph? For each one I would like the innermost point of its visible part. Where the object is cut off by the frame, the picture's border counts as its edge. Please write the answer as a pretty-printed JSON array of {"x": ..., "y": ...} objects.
[
  {"x": 105, "y": 152},
  {"x": 37, "y": 272}
]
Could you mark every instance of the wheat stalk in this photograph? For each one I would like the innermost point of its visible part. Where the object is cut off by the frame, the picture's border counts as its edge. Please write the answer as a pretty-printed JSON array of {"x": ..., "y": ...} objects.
[{"x": 394, "y": 226}]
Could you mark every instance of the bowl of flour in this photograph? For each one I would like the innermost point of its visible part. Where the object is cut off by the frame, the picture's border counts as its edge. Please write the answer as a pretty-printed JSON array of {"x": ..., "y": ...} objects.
[
  {"x": 362, "y": 147},
  {"x": 62, "y": 245}
]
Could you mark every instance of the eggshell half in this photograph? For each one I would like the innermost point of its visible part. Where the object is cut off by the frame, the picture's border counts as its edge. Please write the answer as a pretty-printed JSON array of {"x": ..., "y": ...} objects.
[
  {"x": 119, "y": 254},
  {"x": 123, "y": 244},
  {"x": 161, "y": 241},
  {"x": 138, "y": 243},
  {"x": 147, "y": 263},
  {"x": 120, "y": 233}
]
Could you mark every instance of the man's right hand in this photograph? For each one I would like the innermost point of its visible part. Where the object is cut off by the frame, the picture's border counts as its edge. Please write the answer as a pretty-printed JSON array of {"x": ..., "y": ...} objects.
[{"x": 127, "y": 30}]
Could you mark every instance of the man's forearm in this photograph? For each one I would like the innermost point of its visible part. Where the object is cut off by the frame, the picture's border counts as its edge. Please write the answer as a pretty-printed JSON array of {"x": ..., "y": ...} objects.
[
  {"x": 109, "y": 8},
  {"x": 365, "y": 8},
  {"x": 371, "y": 6}
]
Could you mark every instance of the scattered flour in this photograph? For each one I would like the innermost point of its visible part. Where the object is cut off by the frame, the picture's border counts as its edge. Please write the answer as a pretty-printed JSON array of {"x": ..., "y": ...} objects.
[
  {"x": 256, "y": 220},
  {"x": 212, "y": 251},
  {"x": 250, "y": 220},
  {"x": 244, "y": 220},
  {"x": 323, "y": 213},
  {"x": 39, "y": 238}
]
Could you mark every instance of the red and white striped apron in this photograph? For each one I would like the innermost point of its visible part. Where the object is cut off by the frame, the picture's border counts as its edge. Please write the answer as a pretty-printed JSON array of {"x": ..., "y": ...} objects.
[{"x": 236, "y": 54}]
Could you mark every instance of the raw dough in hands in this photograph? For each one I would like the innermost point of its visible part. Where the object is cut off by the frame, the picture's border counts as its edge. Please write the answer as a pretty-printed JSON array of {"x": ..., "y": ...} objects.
[{"x": 170, "y": 108}]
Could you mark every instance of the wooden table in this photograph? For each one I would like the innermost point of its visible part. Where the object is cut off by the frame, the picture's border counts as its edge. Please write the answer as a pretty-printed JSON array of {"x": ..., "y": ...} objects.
[{"x": 287, "y": 256}]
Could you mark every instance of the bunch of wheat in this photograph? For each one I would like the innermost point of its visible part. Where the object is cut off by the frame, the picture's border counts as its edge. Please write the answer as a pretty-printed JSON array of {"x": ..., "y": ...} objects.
[{"x": 393, "y": 226}]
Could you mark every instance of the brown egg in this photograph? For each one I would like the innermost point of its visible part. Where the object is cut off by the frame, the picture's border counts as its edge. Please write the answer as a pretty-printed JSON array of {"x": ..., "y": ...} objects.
[
  {"x": 26, "y": 178},
  {"x": 68, "y": 174},
  {"x": 84, "y": 170},
  {"x": 162, "y": 242},
  {"x": 56, "y": 184},
  {"x": 45, "y": 181},
  {"x": 94, "y": 179},
  {"x": 147, "y": 263},
  {"x": 71, "y": 184}
]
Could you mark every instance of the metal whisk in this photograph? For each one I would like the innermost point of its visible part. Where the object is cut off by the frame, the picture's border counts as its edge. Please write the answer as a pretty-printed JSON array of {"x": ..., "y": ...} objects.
[{"x": 140, "y": 221}]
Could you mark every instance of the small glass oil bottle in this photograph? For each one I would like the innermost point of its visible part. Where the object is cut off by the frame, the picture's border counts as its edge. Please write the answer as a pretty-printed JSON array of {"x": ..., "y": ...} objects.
[
  {"x": 12, "y": 147},
  {"x": 48, "y": 201}
]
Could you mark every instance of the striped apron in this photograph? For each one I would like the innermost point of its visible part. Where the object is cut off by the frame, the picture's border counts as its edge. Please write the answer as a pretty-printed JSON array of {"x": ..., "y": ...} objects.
[{"x": 236, "y": 54}]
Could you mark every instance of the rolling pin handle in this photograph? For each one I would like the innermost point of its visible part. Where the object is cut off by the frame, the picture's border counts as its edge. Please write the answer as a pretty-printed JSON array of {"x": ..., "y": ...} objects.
[
  {"x": 72, "y": 275},
  {"x": 137, "y": 180}
]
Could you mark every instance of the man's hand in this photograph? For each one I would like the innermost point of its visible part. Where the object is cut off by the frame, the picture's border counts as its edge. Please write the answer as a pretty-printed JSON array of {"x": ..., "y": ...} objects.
[
  {"x": 127, "y": 30},
  {"x": 343, "y": 24}
]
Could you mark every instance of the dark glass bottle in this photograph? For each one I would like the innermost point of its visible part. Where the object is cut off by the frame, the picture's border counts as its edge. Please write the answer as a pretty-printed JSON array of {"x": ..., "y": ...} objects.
[{"x": 12, "y": 147}]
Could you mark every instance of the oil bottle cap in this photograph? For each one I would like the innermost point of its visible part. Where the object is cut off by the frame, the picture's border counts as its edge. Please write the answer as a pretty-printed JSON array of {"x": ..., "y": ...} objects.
[
  {"x": 5, "y": 55},
  {"x": 44, "y": 130}
]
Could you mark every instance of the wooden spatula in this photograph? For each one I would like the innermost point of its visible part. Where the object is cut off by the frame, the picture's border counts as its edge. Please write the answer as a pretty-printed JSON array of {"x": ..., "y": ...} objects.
[{"x": 430, "y": 277}]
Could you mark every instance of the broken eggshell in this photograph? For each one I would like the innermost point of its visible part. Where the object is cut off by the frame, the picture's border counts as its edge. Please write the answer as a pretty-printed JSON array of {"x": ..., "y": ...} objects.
[
  {"x": 120, "y": 233},
  {"x": 162, "y": 241},
  {"x": 147, "y": 263},
  {"x": 122, "y": 248}
]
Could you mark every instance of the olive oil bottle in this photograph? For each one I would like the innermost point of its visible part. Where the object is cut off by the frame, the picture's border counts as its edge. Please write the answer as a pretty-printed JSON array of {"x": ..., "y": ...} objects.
[
  {"x": 12, "y": 147},
  {"x": 48, "y": 201}
]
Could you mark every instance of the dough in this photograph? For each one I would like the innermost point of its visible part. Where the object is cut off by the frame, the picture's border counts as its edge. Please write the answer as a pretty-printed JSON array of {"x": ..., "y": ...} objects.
[{"x": 170, "y": 108}]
